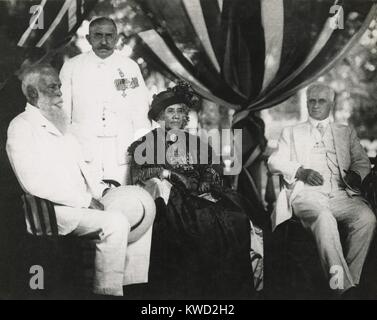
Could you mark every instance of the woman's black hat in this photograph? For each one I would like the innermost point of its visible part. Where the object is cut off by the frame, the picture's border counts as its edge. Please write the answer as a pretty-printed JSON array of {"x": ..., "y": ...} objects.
[{"x": 181, "y": 93}]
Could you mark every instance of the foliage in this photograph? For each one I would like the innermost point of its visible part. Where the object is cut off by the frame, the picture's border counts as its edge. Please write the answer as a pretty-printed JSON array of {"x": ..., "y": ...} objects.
[{"x": 355, "y": 81}]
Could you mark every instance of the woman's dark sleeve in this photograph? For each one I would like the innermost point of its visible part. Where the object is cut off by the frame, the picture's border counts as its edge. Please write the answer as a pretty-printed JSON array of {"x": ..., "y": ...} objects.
[
  {"x": 142, "y": 172},
  {"x": 186, "y": 180},
  {"x": 211, "y": 173}
]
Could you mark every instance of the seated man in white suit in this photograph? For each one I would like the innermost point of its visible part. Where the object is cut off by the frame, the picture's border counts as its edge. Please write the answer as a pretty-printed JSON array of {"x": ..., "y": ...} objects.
[
  {"x": 48, "y": 164},
  {"x": 324, "y": 164}
]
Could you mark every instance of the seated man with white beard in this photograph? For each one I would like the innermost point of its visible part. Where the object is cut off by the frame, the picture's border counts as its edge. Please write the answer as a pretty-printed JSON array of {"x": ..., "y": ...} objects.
[{"x": 48, "y": 164}]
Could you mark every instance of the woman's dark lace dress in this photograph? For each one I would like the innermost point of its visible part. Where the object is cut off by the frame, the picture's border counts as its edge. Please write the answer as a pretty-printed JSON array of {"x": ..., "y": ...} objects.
[{"x": 200, "y": 247}]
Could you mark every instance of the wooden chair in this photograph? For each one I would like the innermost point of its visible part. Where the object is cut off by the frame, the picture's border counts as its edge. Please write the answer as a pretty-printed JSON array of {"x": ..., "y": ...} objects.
[
  {"x": 293, "y": 269},
  {"x": 67, "y": 261}
]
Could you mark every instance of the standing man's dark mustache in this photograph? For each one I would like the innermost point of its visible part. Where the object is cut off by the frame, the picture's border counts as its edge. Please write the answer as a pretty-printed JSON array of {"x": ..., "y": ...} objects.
[{"x": 103, "y": 47}]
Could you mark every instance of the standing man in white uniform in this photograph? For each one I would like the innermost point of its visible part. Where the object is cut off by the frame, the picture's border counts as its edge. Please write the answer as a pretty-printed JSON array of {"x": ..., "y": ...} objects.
[{"x": 107, "y": 101}]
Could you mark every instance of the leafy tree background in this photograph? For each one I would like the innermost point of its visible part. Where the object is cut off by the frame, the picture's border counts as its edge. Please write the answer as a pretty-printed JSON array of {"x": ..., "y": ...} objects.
[{"x": 355, "y": 82}]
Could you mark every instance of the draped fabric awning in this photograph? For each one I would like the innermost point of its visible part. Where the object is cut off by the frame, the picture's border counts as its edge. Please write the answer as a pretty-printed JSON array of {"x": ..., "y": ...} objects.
[
  {"x": 251, "y": 55},
  {"x": 247, "y": 55},
  {"x": 29, "y": 25},
  {"x": 61, "y": 18}
]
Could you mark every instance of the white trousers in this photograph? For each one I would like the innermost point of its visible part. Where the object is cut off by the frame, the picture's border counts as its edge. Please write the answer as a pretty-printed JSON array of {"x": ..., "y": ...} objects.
[
  {"x": 116, "y": 263},
  {"x": 110, "y": 255},
  {"x": 321, "y": 214},
  {"x": 105, "y": 163}
]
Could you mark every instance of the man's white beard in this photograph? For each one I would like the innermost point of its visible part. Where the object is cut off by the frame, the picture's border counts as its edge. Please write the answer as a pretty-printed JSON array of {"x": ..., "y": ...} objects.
[{"x": 57, "y": 117}]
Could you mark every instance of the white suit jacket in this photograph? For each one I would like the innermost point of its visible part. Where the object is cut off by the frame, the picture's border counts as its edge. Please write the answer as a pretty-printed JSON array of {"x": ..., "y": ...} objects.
[
  {"x": 350, "y": 155},
  {"x": 50, "y": 166},
  {"x": 94, "y": 99}
]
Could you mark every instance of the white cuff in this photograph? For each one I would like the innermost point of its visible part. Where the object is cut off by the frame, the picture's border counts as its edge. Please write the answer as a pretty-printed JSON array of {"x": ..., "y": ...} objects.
[
  {"x": 289, "y": 179},
  {"x": 86, "y": 201}
]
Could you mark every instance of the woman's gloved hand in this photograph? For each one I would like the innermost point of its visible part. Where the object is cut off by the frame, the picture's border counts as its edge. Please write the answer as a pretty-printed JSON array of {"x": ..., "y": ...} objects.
[
  {"x": 204, "y": 187},
  {"x": 164, "y": 174}
]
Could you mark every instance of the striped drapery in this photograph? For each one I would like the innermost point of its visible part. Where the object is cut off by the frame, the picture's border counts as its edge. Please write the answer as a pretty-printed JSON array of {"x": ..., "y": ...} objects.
[
  {"x": 35, "y": 27},
  {"x": 248, "y": 55},
  {"x": 251, "y": 55},
  {"x": 61, "y": 18}
]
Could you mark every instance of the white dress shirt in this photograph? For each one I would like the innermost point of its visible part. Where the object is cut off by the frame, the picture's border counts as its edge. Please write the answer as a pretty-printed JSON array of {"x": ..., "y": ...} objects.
[
  {"x": 323, "y": 158},
  {"x": 315, "y": 133}
]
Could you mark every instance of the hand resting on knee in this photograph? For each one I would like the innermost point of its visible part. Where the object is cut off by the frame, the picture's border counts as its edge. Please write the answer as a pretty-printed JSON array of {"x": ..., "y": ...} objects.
[{"x": 309, "y": 176}]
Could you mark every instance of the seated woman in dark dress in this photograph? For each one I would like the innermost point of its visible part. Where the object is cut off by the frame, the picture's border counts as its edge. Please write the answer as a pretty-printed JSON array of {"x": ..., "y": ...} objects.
[{"x": 201, "y": 235}]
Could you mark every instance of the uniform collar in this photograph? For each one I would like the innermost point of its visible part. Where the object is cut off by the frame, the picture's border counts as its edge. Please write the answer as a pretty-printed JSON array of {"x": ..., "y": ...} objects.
[
  {"x": 98, "y": 60},
  {"x": 38, "y": 119}
]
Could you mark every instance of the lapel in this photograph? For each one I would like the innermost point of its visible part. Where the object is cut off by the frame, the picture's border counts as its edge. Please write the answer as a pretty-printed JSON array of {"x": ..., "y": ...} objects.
[
  {"x": 338, "y": 135},
  {"x": 303, "y": 142},
  {"x": 52, "y": 129},
  {"x": 85, "y": 174},
  {"x": 38, "y": 120}
]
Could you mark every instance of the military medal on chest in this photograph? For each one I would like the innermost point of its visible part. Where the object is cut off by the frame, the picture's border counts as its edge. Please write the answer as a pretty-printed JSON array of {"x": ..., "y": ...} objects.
[{"x": 123, "y": 83}]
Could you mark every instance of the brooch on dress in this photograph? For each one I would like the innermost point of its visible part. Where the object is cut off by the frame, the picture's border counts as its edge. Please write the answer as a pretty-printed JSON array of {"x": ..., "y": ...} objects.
[{"x": 173, "y": 137}]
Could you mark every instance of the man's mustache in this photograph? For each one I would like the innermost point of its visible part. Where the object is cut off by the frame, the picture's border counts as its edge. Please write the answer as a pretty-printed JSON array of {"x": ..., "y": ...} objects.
[{"x": 104, "y": 48}]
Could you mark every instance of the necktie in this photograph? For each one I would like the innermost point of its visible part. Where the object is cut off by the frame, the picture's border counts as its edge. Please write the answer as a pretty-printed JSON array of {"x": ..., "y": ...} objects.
[{"x": 321, "y": 128}]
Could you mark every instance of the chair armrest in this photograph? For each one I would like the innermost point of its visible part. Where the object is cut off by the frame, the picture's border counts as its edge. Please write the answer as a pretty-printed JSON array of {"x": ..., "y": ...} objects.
[
  {"x": 41, "y": 219},
  {"x": 113, "y": 183}
]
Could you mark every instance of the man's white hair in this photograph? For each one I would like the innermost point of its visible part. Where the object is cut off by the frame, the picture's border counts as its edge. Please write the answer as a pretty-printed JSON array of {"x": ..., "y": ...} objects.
[
  {"x": 321, "y": 86},
  {"x": 31, "y": 75}
]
